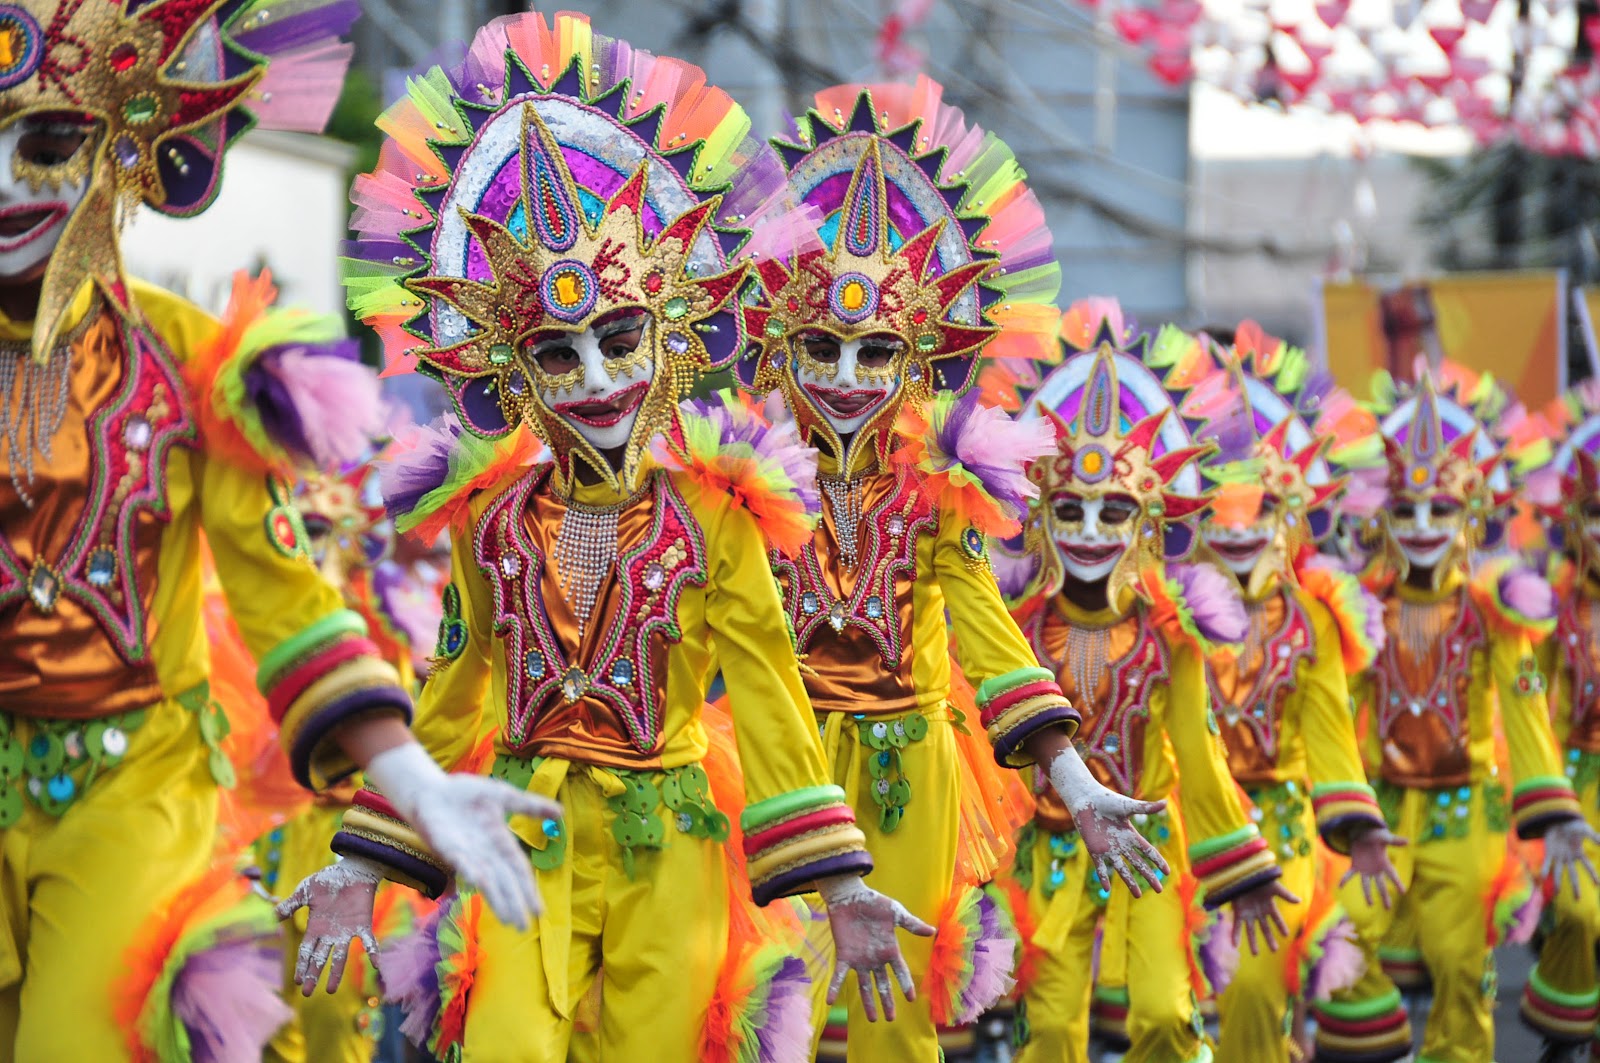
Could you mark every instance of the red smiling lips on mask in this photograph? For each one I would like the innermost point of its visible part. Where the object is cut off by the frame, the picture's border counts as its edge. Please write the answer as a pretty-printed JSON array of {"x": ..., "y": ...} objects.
[
  {"x": 1422, "y": 543},
  {"x": 1090, "y": 554},
  {"x": 607, "y": 412},
  {"x": 846, "y": 404},
  {"x": 1238, "y": 549},
  {"x": 26, "y": 222}
]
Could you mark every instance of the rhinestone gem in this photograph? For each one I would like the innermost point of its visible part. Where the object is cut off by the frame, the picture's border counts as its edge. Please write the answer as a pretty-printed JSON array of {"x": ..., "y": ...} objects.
[
  {"x": 836, "y": 616},
  {"x": 1112, "y": 744},
  {"x": 676, "y": 307},
  {"x": 655, "y": 577},
  {"x": 136, "y": 433},
  {"x": 511, "y": 566},
  {"x": 809, "y": 603},
  {"x": 516, "y": 383},
  {"x": 874, "y": 606},
  {"x": 102, "y": 567},
  {"x": 500, "y": 354},
  {"x": 574, "y": 683},
  {"x": 123, "y": 57},
  {"x": 140, "y": 109},
  {"x": 622, "y": 672},
  {"x": 677, "y": 343},
  {"x": 1416, "y": 708},
  {"x": 927, "y": 341},
  {"x": 897, "y": 526},
  {"x": 774, "y": 330},
  {"x": 44, "y": 588},
  {"x": 914, "y": 373},
  {"x": 127, "y": 151},
  {"x": 533, "y": 664},
  {"x": 551, "y": 828}
]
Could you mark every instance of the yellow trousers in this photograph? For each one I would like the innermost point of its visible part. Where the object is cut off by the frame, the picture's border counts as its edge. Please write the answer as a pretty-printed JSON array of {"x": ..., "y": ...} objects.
[
  {"x": 1255, "y": 1011},
  {"x": 75, "y": 891},
  {"x": 914, "y": 863},
  {"x": 1562, "y": 997},
  {"x": 1151, "y": 939},
  {"x": 661, "y": 936},
  {"x": 1447, "y": 880},
  {"x": 327, "y": 1027}
]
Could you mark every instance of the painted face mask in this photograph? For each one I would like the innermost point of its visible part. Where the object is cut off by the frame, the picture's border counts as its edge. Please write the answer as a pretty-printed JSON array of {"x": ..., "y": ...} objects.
[
  {"x": 1117, "y": 493},
  {"x": 596, "y": 380},
  {"x": 1092, "y": 534},
  {"x": 910, "y": 272},
  {"x": 347, "y": 527},
  {"x": 1565, "y": 490},
  {"x": 1448, "y": 487},
  {"x": 847, "y": 383},
  {"x": 44, "y": 179},
  {"x": 161, "y": 87}
]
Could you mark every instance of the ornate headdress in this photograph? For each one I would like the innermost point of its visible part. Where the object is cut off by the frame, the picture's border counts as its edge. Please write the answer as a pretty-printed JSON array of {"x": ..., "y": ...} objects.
[
  {"x": 1117, "y": 432},
  {"x": 345, "y": 519},
  {"x": 1446, "y": 435},
  {"x": 927, "y": 234},
  {"x": 1285, "y": 428},
  {"x": 166, "y": 86},
  {"x": 1567, "y": 481},
  {"x": 558, "y": 176}
]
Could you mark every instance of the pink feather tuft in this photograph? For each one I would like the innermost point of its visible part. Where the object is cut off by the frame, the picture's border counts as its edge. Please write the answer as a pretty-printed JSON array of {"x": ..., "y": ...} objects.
[
  {"x": 1219, "y": 955},
  {"x": 339, "y": 404},
  {"x": 1341, "y": 965},
  {"x": 1543, "y": 487},
  {"x": 408, "y": 969},
  {"x": 300, "y": 88},
  {"x": 1528, "y": 593},
  {"x": 1013, "y": 569},
  {"x": 994, "y": 958},
  {"x": 1213, "y": 600},
  {"x": 1525, "y": 920},
  {"x": 785, "y": 1035},
  {"x": 1365, "y": 494},
  {"x": 226, "y": 996}
]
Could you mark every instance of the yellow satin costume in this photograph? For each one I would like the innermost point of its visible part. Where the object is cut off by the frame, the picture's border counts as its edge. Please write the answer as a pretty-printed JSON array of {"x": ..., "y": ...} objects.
[{"x": 110, "y": 737}]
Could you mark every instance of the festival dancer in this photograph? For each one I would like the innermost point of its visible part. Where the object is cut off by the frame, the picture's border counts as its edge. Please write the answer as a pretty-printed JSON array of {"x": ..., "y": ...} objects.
[
  {"x": 1458, "y": 643},
  {"x": 930, "y": 249},
  {"x": 1562, "y": 997},
  {"x": 132, "y": 423},
  {"x": 1126, "y": 634},
  {"x": 575, "y": 272},
  {"x": 1283, "y": 702},
  {"x": 352, "y": 541}
]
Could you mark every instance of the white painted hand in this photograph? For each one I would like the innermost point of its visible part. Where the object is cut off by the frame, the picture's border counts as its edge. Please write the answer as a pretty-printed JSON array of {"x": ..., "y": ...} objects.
[
  {"x": 1104, "y": 820},
  {"x": 1563, "y": 853},
  {"x": 339, "y": 902},
  {"x": 463, "y": 820},
  {"x": 864, "y": 922}
]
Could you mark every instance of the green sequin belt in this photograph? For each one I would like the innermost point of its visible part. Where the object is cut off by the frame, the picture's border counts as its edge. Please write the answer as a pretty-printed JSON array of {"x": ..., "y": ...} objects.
[
  {"x": 637, "y": 820},
  {"x": 1157, "y": 830},
  {"x": 52, "y": 763},
  {"x": 1449, "y": 814}
]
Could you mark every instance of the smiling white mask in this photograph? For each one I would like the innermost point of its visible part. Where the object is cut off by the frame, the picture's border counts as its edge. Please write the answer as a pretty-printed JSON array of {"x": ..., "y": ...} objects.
[
  {"x": 847, "y": 392},
  {"x": 36, "y": 199},
  {"x": 1427, "y": 535},
  {"x": 596, "y": 380},
  {"x": 1089, "y": 547}
]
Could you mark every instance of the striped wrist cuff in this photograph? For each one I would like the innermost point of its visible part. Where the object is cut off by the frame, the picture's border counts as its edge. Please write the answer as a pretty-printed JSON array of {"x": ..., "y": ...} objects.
[
  {"x": 1540, "y": 803},
  {"x": 318, "y": 679},
  {"x": 1232, "y": 864},
  {"x": 372, "y": 830},
  {"x": 794, "y": 839},
  {"x": 1560, "y": 1016},
  {"x": 1014, "y": 706},
  {"x": 1343, "y": 807}
]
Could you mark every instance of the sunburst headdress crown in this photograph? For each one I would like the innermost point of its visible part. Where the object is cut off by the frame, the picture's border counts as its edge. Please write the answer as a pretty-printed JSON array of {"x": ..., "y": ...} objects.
[
  {"x": 1564, "y": 485},
  {"x": 555, "y": 178},
  {"x": 927, "y": 233},
  {"x": 164, "y": 87},
  {"x": 1118, "y": 432}
]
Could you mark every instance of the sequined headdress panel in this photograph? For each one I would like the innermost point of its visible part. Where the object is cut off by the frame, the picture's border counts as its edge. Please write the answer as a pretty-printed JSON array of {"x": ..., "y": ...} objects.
[
  {"x": 1564, "y": 487},
  {"x": 926, "y": 236},
  {"x": 1118, "y": 432},
  {"x": 163, "y": 88},
  {"x": 555, "y": 178}
]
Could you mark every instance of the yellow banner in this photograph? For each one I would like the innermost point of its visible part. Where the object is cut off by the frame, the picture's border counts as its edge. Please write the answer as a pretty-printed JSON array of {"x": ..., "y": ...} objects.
[{"x": 1509, "y": 324}]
